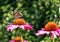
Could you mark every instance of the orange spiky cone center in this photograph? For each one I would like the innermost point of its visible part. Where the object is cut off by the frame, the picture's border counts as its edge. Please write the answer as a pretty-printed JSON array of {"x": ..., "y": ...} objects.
[
  {"x": 19, "y": 21},
  {"x": 50, "y": 26},
  {"x": 18, "y": 39}
]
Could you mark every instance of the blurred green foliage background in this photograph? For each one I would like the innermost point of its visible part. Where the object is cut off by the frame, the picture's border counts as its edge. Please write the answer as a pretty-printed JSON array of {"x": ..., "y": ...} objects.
[{"x": 35, "y": 12}]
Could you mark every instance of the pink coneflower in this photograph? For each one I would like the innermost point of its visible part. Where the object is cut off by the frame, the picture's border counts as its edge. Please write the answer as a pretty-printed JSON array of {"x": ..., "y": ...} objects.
[
  {"x": 19, "y": 23},
  {"x": 50, "y": 28},
  {"x": 18, "y": 39}
]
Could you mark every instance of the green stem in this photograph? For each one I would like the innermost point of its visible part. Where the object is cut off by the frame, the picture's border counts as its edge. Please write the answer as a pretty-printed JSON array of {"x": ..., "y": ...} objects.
[
  {"x": 17, "y": 32},
  {"x": 20, "y": 33},
  {"x": 52, "y": 40}
]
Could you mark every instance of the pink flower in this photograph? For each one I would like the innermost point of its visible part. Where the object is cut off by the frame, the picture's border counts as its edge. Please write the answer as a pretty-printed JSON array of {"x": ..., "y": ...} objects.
[
  {"x": 18, "y": 23},
  {"x": 18, "y": 39},
  {"x": 50, "y": 28},
  {"x": 12, "y": 27},
  {"x": 11, "y": 41},
  {"x": 14, "y": 41}
]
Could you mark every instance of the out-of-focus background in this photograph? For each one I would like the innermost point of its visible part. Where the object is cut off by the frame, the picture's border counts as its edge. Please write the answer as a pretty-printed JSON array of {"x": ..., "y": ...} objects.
[{"x": 35, "y": 12}]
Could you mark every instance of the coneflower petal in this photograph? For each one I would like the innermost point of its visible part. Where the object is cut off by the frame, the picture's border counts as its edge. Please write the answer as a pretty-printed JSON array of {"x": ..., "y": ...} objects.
[
  {"x": 53, "y": 35},
  {"x": 56, "y": 33},
  {"x": 11, "y": 41},
  {"x": 11, "y": 27},
  {"x": 40, "y": 32}
]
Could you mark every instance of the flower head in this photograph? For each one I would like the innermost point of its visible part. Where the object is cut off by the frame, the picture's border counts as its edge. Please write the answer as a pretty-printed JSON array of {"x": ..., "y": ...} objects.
[
  {"x": 18, "y": 39},
  {"x": 50, "y": 28},
  {"x": 19, "y": 23}
]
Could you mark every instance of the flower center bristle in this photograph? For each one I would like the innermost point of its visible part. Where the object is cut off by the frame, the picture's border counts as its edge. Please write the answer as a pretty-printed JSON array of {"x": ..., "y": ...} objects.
[
  {"x": 19, "y": 21},
  {"x": 50, "y": 26}
]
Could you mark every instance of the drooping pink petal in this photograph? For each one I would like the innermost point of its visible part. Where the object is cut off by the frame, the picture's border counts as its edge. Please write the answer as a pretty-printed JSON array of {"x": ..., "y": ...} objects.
[
  {"x": 26, "y": 27},
  {"x": 25, "y": 41},
  {"x": 41, "y": 32},
  {"x": 21, "y": 26},
  {"x": 11, "y": 27},
  {"x": 53, "y": 35},
  {"x": 56, "y": 32},
  {"x": 11, "y": 41},
  {"x": 42, "y": 28}
]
